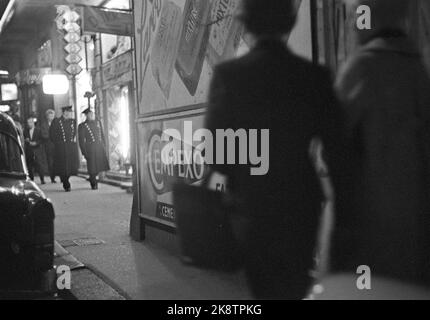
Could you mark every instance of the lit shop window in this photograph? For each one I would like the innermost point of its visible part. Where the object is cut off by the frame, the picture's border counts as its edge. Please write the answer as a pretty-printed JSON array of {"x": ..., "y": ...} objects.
[
  {"x": 114, "y": 45},
  {"x": 125, "y": 125}
]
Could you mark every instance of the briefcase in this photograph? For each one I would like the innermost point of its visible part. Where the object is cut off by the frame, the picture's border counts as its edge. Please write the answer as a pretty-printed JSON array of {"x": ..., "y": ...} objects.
[{"x": 203, "y": 219}]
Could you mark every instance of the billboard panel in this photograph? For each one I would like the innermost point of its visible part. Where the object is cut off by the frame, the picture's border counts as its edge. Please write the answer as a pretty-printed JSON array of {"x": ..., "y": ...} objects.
[{"x": 158, "y": 177}]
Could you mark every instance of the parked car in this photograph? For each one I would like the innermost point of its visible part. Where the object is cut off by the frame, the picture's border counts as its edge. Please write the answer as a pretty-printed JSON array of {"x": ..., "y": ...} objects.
[{"x": 26, "y": 220}]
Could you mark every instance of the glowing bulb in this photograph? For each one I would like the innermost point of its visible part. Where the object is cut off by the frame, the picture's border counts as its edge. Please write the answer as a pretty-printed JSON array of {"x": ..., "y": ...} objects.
[{"x": 55, "y": 84}]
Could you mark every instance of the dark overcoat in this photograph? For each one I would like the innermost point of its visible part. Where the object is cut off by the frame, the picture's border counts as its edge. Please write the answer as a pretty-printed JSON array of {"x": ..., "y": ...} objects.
[
  {"x": 92, "y": 144},
  {"x": 48, "y": 146},
  {"x": 271, "y": 88},
  {"x": 66, "y": 158},
  {"x": 35, "y": 155},
  {"x": 383, "y": 209}
]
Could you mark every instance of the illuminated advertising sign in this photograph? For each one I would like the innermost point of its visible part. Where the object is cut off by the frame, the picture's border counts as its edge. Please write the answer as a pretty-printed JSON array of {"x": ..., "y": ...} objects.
[{"x": 9, "y": 92}]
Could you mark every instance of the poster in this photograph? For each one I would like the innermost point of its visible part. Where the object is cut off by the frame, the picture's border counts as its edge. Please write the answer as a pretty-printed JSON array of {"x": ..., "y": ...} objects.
[
  {"x": 226, "y": 31},
  {"x": 156, "y": 194},
  {"x": 172, "y": 48},
  {"x": 179, "y": 42},
  {"x": 193, "y": 43},
  {"x": 166, "y": 46}
]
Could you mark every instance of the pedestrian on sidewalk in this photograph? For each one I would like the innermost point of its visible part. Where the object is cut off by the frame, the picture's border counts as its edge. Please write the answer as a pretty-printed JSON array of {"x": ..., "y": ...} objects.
[
  {"x": 47, "y": 144},
  {"x": 272, "y": 88},
  {"x": 34, "y": 152},
  {"x": 92, "y": 144},
  {"x": 63, "y": 134},
  {"x": 383, "y": 213}
]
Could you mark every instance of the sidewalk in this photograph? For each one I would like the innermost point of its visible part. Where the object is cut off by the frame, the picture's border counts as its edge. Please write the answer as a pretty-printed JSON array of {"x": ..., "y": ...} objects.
[{"x": 94, "y": 225}]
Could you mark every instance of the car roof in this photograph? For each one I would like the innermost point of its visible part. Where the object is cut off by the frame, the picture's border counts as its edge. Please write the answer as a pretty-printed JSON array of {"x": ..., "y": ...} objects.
[{"x": 7, "y": 125}]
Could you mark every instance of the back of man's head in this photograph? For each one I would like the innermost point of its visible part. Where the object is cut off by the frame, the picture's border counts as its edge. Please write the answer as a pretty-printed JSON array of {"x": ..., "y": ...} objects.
[{"x": 268, "y": 17}]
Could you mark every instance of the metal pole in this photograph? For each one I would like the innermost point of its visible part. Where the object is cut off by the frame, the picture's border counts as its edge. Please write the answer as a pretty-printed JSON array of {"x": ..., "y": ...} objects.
[{"x": 75, "y": 97}]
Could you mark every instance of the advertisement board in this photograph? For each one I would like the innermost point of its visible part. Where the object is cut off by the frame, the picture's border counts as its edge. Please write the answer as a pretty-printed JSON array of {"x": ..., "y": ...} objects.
[
  {"x": 159, "y": 178},
  {"x": 178, "y": 44},
  {"x": 118, "y": 70},
  {"x": 98, "y": 20},
  {"x": 8, "y": 92}
]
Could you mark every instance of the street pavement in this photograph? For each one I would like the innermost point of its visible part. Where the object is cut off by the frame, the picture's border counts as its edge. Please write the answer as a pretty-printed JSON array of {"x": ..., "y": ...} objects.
[{"x": 93, "y": 226}]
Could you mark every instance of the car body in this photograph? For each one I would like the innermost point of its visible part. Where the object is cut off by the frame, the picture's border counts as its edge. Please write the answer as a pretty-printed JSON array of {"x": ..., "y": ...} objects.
[{"x": 26, "y": 218}]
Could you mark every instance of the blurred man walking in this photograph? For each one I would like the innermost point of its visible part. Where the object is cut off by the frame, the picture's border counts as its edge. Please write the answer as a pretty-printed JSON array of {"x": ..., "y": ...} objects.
[{"x": 383, "y": 211}]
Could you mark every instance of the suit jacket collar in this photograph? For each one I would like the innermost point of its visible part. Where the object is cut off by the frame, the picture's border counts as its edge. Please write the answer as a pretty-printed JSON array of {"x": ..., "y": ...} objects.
[{"x": 35, "y": 133}]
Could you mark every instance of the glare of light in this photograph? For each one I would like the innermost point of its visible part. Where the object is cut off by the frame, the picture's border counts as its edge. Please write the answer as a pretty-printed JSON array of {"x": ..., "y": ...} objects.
[
  {"x": 4, "y": 73},
  {"x": 318, "y": 289},
  {"x": 4, "y": 108},
  {"x": 124, "y": 126},
  {"x": 117, "y": 4},
  {"x": 7, "y": 15},
  {"x": 91, "y": 46},
  {"x": 55, "y": 84}
]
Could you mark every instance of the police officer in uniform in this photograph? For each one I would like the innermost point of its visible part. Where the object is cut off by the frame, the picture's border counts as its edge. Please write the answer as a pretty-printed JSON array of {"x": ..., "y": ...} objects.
[
  {"x": 92, "y": 144},
  {"x": 63, "y": 134}
]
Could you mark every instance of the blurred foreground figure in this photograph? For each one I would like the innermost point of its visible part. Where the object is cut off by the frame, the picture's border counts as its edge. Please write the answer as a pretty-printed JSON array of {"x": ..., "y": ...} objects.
[
  {"x": 92, "y": 144},
  {"x": 63, "y": 134},
  {"x": 383, "y": 212},
  {"x": 271, "y": 88}
]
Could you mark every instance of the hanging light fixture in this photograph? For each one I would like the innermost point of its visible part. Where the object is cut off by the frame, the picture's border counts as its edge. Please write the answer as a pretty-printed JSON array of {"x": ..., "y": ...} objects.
[{"x": 55, "y": 84}]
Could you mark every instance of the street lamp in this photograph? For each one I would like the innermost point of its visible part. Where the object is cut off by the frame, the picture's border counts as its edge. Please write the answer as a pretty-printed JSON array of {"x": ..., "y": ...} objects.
[
  {"x": 89, "y": 95},
  {"x": 55, "y": 84}
]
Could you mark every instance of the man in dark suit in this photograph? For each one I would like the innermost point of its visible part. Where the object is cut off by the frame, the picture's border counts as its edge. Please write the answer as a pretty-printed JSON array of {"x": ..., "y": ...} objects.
[
  {"x": 271, "y": 88},
  {"x": 34, "y": 154},
  {"x": 47, "y": 143},
  {"x": 92, "y": 144},
  {"x": 63, "y": 134}
]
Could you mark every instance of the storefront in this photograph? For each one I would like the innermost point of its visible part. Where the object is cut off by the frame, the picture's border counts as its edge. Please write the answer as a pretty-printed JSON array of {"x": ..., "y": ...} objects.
[
  {"x": 178, "y": 43},
  {"x": 118, "y": 101},
  {"x": 32, "y": 100},
  {"x": 112, "y": 80}
]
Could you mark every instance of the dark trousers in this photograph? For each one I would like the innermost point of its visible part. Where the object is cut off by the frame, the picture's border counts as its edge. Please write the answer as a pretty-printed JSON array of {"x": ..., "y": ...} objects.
[
  {"x": 93, "y": 179},
  {"x": 32, "y": 168},
  {"x": 276, "y": 267},
  {"x": 65, "y": 181},
  {"x": 50, "y": 159}
]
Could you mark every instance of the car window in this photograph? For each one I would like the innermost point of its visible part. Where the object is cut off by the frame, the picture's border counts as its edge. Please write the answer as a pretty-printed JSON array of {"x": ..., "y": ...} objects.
[{"x": 10, "y": 155}]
